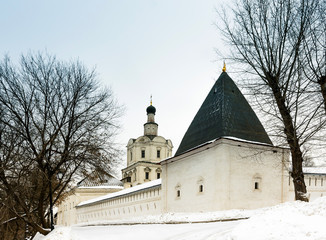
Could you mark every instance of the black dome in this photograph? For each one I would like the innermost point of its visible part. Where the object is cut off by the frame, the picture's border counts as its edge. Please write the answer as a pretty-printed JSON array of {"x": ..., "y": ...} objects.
[{"x": 151, "y": 109}]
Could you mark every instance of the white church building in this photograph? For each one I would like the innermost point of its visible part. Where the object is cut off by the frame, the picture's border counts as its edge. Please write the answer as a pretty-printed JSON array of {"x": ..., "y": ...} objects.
[{"x": 225, "y": 161}]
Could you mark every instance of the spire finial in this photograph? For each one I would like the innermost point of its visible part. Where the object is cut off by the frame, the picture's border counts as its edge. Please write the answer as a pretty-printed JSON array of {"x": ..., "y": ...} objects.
[
  {"x": 224, "y": 67},
  {"x": 151, "y": 100}
]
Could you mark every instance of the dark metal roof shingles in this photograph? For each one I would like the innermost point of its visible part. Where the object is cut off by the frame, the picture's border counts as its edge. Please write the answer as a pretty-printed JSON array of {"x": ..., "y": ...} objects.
[{"x": 224, "y": 112}]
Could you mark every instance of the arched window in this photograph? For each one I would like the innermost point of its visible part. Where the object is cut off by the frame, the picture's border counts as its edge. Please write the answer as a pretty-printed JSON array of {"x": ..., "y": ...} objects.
[
  {"x": 257, "y": 180},
  {"x": 147, "y": 171},
  {"x": 158, "y": 173},
  {"x": 200, "y": 185},
  {"x": 178, "y": 191}
]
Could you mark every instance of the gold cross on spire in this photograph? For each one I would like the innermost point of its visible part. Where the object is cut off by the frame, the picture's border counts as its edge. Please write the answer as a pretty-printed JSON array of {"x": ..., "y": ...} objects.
[
  {"x": 224, "y": 67},
  {"x": 151, "y": 100}
]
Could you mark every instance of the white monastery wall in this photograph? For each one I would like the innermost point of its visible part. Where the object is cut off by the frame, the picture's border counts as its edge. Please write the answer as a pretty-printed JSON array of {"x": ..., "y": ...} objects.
[
  {"x": 222, "y": 175},
  {"x": 67, "y": 212},
  {"x": 315, "y": 183},
  {"x": 132, "y": 202},
  {"x": 67, "y": 209}
]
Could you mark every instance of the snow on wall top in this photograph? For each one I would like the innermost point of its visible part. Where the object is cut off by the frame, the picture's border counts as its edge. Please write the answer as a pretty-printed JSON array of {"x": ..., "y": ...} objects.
[
  {"x": 143, "y": 186},
  {"x": 101, "y": 187},
  {"x": 314, "y": 170},
  {"x": 225, "y": 137}
]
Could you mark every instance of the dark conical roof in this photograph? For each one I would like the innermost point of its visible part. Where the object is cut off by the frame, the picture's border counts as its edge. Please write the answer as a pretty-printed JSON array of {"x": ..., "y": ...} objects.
[{"x": 224, "y": 113}]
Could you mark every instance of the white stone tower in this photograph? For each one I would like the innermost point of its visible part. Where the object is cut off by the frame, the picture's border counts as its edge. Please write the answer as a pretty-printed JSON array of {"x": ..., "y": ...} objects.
[{"x": 145, "y": 153}]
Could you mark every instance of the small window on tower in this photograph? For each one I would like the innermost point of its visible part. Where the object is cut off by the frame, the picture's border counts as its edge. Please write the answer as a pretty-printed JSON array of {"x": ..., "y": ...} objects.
[
  {"x": 158, "y": 175},
  {"x": 131, "y": 155},
  {"x": 146, "y": 175},
  {"x": 178, "y": 193},
  {"x": 201, "y": 188},
  {"x": 142, "y": 153},
  {"x": 256, "y": 185},
  {"x": 158, "y": 153}
]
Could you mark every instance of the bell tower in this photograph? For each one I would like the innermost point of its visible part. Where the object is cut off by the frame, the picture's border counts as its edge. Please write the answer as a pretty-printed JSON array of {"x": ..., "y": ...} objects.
[
  {"x": 150, "y": 128},
  {"x": 145, "y": 153}
]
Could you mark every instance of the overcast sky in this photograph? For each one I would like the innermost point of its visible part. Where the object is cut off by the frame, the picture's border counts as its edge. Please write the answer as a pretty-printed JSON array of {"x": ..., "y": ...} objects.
[{"x": 139, "y": 47}]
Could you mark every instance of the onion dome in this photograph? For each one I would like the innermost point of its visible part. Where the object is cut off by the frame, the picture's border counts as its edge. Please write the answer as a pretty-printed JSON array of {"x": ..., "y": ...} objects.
[{"x": 151, "y": 109}]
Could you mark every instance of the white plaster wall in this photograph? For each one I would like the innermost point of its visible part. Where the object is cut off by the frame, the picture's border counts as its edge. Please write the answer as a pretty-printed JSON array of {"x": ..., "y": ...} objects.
[
  {"x": 141, "y": 203},
  {"x": 315, "y": 183},
  {"x": 67, "y": 212},
  {"x": 67, "y": 208},
  {"x": 227, "y": 171},
  {"x": 183, "y": 175},
  {"x": 253, "y": 163}
]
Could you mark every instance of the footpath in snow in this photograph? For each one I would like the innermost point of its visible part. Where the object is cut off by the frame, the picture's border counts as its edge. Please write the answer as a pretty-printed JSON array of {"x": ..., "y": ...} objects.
[{"x": 292, "y": 220}]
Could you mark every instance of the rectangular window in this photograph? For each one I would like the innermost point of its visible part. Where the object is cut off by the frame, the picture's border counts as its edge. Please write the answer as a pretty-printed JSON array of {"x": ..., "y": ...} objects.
[
  {"x": 201, "y": 188},
  {"x": 142, "y": 153},
  {"x": 158, "y": 153},
  {"x": 158, "y": 175},
  {"x": 256, "y": 185},
  {"x": 131, "y": 155},
  {"x": 146, "y": 175},
  {"x": 178, "y": 193}
]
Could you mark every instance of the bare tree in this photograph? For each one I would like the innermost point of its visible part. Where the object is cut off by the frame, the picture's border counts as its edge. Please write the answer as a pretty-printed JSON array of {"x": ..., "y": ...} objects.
[
  {"x": 314, "y": 46},
  {"x": 266, "y": 38},
  {"x": 54, "y": 118}
]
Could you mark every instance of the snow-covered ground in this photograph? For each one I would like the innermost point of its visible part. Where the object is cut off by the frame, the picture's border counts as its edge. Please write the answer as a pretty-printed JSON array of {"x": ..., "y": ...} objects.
[
  {"x": 196, "y": 231},
  {"x": 292, "y": 220}
]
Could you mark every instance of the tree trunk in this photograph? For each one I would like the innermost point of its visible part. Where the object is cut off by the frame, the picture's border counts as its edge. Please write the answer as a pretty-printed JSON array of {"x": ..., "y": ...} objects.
[
  {"x": 293, "y": 141},
  {"x": 322, "y": 83},
  {"x": 39, "y": 229}
]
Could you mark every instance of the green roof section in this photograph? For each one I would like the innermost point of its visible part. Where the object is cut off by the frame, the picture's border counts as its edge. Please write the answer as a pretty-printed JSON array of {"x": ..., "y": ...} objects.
[{"x": 224, "y": 113}]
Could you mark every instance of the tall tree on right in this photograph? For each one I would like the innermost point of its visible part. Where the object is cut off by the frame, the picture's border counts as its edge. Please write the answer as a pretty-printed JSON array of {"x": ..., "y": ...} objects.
[
  {"x": 267, "y": 37},
  {"x": 314, "y": 46}
]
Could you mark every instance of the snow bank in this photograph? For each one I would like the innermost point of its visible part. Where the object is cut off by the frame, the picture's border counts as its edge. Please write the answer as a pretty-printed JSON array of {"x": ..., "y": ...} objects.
[
  {"x": 292, "y": 220},
  {"x": 288, "y": 221},
  {"x": 59, "y": 233}
]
